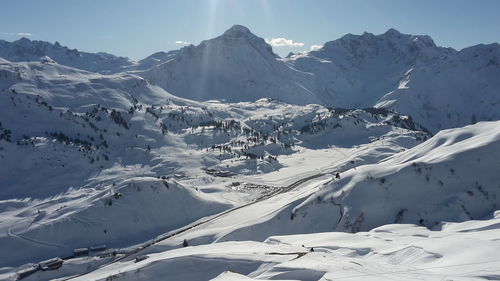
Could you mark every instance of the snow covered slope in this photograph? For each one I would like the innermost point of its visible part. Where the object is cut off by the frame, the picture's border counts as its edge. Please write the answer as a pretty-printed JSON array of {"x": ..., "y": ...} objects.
[
  {"x": 154, "y": 60},
  {"x": 124, "y": 213},
  {"x": 62, "y": 119},
  {"x": 91, "y": 159},
  {"x": 451, "y": 177},
  {"x": 427, "y": 185},
  {"x": 27, "y": 50},
  {"x": 453, "y": 91}
]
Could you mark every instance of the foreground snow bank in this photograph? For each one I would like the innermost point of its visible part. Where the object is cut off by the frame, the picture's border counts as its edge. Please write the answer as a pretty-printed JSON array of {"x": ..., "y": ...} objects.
[{"x": 463, "y": 251}]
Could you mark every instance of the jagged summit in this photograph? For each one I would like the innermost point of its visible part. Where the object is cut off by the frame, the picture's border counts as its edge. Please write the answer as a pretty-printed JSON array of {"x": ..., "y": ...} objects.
[
  {"x": 391, "y": 34},
  {"x": 395, "y": 45},
  {"x": 241, "y": 35},
  {"x": 424, "y": 40},
  {"x": 26, "y": 40},
  {"x": 27, "y": 47},
  {"x": 238, "y": 30}
]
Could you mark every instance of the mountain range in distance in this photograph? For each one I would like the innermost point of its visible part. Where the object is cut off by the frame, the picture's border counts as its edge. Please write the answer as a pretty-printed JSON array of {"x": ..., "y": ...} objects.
[{"x": 438, "y": 87}]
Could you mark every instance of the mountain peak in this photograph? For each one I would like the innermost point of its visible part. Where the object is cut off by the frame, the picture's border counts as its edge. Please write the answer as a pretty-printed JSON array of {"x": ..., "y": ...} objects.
[
  {"x": 238, "y": 31},
  {"x": 23, "y": 40},
  {"x": 25, "y": 49},
  {"x": 424, "y": 40},
  {"x": 240, "y": 35},
  {"x": 392, "y": 31}
]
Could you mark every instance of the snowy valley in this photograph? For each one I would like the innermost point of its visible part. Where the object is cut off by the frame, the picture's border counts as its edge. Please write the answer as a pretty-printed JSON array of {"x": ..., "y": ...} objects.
[{"x": 374, "y": 157}]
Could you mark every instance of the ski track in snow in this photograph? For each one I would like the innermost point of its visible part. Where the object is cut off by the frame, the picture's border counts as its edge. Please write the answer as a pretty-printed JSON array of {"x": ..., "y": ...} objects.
[{"x": 31, "y": 240}]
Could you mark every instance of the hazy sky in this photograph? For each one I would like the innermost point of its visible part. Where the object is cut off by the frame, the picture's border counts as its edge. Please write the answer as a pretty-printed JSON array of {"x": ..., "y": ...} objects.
[{"x": 139, "y": 28}]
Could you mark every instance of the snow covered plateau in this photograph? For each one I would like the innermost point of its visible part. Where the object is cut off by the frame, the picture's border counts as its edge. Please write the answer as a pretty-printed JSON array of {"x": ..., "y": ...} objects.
[{"x": 375, "y": 157}]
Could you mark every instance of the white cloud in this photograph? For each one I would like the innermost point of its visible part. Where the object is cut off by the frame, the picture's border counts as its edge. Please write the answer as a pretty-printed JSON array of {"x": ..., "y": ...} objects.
[
  {"x": 283, "y": 42},
  {"x": 24, "y": 34},
  {"x": 182, "y": 42},
  {"x": 316, "y": 47}
]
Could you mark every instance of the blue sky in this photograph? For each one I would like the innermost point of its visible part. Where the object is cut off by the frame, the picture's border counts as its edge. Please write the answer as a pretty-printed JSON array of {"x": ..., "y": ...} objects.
[{"x": 139, "y": 28}]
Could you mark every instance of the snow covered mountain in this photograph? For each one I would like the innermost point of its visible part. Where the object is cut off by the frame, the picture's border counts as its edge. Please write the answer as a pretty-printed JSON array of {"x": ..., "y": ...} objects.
[
  {"x": 355, "y": 70},
  {"x": 124, "y": 180},
  {"x": 236, "y": 66},
  {"x": 439, "y": 87},
  {"x": 408, "y": 73},
  {"x": 25, "y": 49}
]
